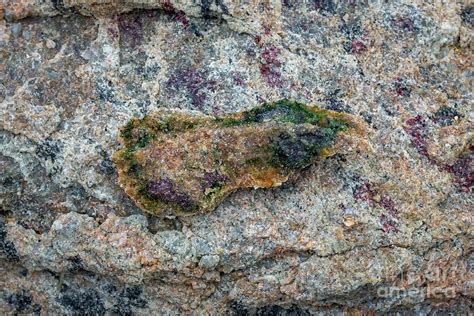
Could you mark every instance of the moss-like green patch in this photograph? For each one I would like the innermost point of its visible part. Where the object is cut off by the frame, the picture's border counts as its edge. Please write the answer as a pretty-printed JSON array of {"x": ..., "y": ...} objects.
[
  {"x": 284, "y": 111},
  {"x": 191, "y": 163}
]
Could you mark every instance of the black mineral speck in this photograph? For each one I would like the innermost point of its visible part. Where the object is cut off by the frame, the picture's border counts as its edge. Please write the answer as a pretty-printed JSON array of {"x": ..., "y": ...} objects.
[
  {"x": 129, "y": 298},
  {"x": 324, "y": 6},
  {"x": 76, "y": 264},
  {"x": 11, "y": 178},
  {"x": 81, "y": 302},
  {"x": 237, "y": 308},
  {"x": 338, "y": 106},
  {"x": 105, "y": 90},
  {"x": 76, "y": 198},
  {"x": 275, "y": 310},
  {"x": 467, "y": 16},
  {"x": 206, "y": 7},
  {"x": 295, "y": 151},
  {"x": 20, "y": 301},
  {"x": 445, "y": 116},
  {"x": 333, "y": 101},
  {"x": 106, "y": 165},
  {"x": 59, "y": 5},
  {"x": 402, "y": 88},
  {"x": 110, "y": 288},
  {"x": 49, "y": 149},
  {"x": 7, "y": 248},
  {"x": 351, "y": 29},
  {"x": 292, "y": 151}
]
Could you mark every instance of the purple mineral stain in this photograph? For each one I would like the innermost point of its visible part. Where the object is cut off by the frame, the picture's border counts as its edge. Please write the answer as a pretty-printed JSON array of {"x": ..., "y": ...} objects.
[
  {"x": 366, "y": 192},
  {"x": 266, "y": 30},
  {"x": 131, "y": 28},
  {"x": 416, "y": 129},
  {"x": 270, "y": 64},
  {"x": 177, "y": 15},
  {"x": 194, "y": 82},
  {"x": 357, "y": 46},
  {"x": 212, "y": 179},
  {"x": 270, "y": 55},
  {"x": 388, "y": 225},
  {"x": 404, "y": 23},
  {"x": 271, "y": 75},
  {"x": 402, "y": 88},
  {"x": 462, "y": 171},
  {"x": 113, "y": 32},
  {"x": 238, "y": 80},
  {"x": 165, "y": 191},
  {"x": 270, "y": 68},
  {"x": 387, "y": 203},
  {"x": 258, "y": 40}
]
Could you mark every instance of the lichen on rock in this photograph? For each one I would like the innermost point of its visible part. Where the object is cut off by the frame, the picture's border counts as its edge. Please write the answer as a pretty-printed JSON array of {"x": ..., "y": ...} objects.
[{"x": 191, "y": 163}]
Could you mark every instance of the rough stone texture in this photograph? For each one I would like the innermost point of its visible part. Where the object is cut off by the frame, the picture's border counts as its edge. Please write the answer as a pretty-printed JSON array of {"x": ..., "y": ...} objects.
[
  {"x": 398, "y": 216},
  {"x": 191, "y": 163}
]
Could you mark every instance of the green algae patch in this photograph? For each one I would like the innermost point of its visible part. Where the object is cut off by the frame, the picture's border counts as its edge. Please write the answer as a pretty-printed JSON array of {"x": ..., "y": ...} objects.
[{"x": 191, "y": 163}]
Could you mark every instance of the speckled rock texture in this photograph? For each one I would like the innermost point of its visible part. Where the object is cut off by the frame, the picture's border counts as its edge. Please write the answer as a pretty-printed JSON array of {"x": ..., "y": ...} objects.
[
  {"x": 191, "y": 163},
  {"x": 387, "y": 229}
]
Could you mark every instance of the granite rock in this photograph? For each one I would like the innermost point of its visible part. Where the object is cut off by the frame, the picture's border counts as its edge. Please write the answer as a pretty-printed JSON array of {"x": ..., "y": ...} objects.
[{"x": 386, "y": 229}]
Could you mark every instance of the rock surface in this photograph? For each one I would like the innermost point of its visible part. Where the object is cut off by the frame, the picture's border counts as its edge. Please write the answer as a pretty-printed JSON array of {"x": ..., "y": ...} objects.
[
  {"x": 191, "y": 163},
  {"x": 389, "y": 229}
]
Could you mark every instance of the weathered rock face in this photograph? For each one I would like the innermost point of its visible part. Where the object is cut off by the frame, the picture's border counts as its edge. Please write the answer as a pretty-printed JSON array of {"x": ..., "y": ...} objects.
[
  {"x": 387, "y": 228},
  {"x": 191, "y": 163}
]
